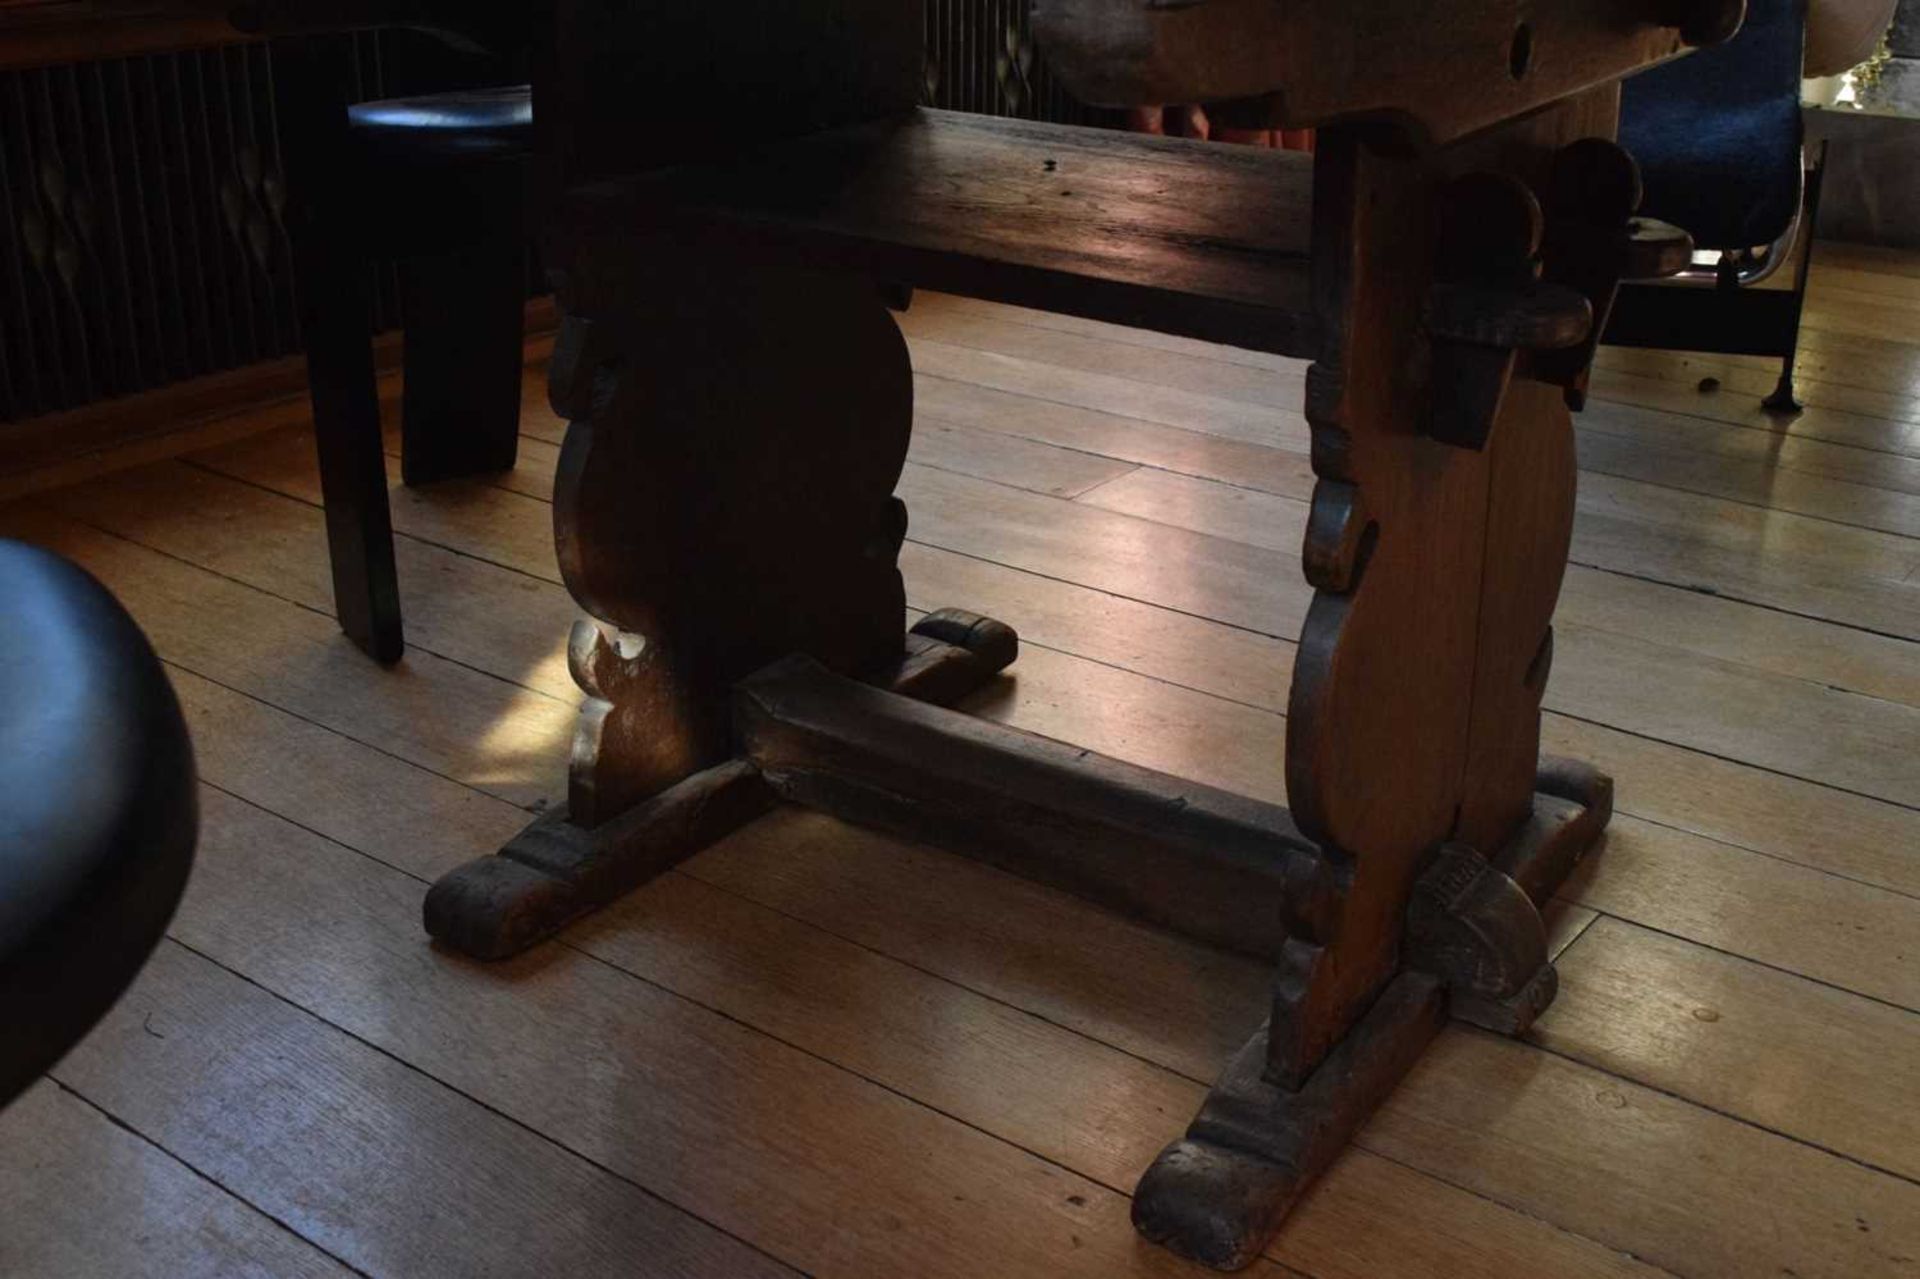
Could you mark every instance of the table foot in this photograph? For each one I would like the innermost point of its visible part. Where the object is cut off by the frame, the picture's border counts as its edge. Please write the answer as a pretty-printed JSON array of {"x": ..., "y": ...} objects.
[
  {"x": 1475, "y": 949},
  {"x": 1218, "y": 1194},
  {"x": 555, "y": 870}
]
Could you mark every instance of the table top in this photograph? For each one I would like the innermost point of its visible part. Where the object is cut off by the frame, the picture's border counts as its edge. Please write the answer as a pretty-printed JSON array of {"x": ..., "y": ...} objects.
[
  {"x": 39, "y": 33},
  {"x": 36, "y": 33},
  {"x": 1441, "y": 70},
  {"x": 1163, "y": 233}
]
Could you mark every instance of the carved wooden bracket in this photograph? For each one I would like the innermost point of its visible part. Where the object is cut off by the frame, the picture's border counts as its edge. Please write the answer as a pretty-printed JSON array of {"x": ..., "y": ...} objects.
[
  {"x": 1487, "y": 305},
  {"x": 1593, "y": 242},
  {"x": 585, "y": 362},
  {"x": 1702, "y": 22}
]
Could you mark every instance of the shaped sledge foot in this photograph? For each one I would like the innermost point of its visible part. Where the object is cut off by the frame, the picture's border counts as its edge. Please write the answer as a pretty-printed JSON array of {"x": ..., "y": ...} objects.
[
  {"x": 1218, "y": 1194},
  {"x": 555, "y": 870}
]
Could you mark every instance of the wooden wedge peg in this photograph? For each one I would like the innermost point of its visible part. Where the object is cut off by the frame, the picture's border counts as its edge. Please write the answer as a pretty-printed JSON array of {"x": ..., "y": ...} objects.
[
  {"x": 1486, "y": 305},
  {"x": 1704, "y": 22},
  {"x": 1593, "y": 241},
  {"x": 1528, "y": 316}
]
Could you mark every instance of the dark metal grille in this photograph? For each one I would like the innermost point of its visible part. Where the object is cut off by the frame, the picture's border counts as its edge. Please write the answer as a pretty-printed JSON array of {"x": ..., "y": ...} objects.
[
  {"x": 980, "y": 58},
  {"x": 140, "y": 230},
  {"x": 140, "y": 200}
]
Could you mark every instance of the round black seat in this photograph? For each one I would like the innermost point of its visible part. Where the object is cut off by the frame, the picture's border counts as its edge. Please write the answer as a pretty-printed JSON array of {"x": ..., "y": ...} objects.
[
  {"x": 465, "y": 123},
  {"x": 97, "y": 807}
]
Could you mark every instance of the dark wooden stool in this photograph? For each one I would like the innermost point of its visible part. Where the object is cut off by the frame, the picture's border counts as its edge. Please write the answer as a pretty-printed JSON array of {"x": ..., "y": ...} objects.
[
  {"x": 97, "y": 808},
  {"x": 439, "y": 183}
]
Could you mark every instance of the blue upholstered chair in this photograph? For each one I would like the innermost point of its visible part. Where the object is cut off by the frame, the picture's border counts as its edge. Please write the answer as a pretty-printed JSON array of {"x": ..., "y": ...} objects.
[{"x": 1719, "y": 140}]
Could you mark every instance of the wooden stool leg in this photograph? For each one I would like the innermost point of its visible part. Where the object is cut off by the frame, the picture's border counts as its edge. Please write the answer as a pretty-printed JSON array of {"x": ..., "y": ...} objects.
[
  {"x": 336, "y": 327},
  {"x": 460, "y": 409},
  {"x": 353, "y": 475}
]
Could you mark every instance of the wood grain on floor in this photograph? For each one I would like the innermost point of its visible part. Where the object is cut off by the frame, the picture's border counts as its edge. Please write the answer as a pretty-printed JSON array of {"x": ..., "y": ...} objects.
[{"x": 814, "y": 1049}]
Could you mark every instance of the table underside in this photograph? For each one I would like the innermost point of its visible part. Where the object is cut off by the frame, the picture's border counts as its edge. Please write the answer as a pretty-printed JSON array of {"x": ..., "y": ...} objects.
[{"x": 1158, "y": 233}]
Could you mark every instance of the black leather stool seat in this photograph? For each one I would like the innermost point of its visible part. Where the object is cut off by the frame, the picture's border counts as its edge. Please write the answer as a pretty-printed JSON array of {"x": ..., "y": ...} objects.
[
  {"x": 465, "y": 123},
  {"x": 97, "y": 807}
]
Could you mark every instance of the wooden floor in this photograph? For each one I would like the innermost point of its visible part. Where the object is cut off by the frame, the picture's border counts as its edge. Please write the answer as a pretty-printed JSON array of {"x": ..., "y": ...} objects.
[{"x": 816, "y": 1050}]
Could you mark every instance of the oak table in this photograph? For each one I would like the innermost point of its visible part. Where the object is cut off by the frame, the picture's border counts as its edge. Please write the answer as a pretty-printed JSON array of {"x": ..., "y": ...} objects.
[{"x": 734, "y": 191}]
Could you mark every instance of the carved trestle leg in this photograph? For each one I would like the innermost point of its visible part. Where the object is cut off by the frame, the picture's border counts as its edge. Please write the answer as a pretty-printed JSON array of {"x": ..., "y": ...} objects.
[
  {"x": 1437, "y": 541},
  {"x": 724, "y": 498}
]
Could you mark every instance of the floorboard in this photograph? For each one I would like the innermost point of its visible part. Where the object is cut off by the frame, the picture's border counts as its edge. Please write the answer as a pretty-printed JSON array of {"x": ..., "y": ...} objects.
[
  {"x": 1731, "y": 1034},
  {"x": 382, "y": 1166},
  {"x": 86, "y": 1195},
  {"x": 818, "y": 1050}
]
